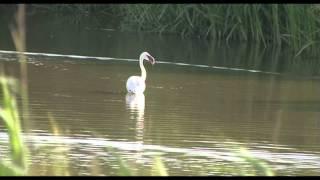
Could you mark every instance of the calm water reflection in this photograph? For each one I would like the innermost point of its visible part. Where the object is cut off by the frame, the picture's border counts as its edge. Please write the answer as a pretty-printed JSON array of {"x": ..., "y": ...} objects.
[{"x": 192, "y": 115}]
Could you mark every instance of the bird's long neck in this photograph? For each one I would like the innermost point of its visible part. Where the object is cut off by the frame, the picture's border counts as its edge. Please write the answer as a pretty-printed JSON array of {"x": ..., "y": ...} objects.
[{"x": 143, "y": 70}]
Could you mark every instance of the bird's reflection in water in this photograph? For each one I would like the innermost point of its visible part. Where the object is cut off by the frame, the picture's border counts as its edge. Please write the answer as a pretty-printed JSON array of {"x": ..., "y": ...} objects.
[{"x": 135, "y": 104}]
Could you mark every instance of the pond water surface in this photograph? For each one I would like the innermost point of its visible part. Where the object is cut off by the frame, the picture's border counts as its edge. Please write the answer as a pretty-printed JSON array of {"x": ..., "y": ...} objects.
[{"x": 202, "y": 100}]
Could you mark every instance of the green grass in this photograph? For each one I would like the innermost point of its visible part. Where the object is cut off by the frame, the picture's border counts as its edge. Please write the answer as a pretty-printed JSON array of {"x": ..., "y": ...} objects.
[
  {"x": 9, "y": 111},
  {"x": 10, "y": 115}
]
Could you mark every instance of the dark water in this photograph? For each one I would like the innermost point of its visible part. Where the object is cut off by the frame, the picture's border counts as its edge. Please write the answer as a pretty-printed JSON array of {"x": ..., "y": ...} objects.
[{"x": 202, "y": 100}]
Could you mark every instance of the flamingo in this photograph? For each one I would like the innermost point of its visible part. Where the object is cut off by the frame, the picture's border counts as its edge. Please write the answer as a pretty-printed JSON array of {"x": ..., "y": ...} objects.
[{"x": 136, "y": 84}]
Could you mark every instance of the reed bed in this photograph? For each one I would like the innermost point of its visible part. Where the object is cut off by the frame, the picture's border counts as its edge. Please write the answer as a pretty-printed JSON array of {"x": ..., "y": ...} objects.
[
  {"x": 291, "y": 25},
  {"x": 295, "y": 26}
]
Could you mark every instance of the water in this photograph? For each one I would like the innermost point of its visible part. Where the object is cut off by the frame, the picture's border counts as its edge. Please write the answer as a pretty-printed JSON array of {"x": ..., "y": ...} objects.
[{"x": 201, "y": 102}]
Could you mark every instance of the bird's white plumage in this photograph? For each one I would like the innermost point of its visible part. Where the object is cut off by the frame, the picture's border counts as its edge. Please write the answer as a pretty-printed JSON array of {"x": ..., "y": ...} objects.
[{"x": 136, "y": 84}]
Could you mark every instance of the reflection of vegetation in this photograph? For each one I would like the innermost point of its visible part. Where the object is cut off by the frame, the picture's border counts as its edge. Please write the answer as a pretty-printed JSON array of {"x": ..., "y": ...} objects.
[
  {"x": 227, "y": 22},
  {"x": 296, "y": 26}
]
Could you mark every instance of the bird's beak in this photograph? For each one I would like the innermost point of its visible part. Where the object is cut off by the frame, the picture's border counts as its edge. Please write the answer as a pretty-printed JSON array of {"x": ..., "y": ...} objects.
[{"x": 151, "y": 60}]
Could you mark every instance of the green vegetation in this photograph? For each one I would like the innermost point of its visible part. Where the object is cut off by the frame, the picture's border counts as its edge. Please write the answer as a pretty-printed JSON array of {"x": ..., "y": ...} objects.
[
  {"x": 10, "y": 116},
  {"x": 296, "y": 26},
  {"x": 9, "y": 112},
  {"x": 292, "y": 25}
]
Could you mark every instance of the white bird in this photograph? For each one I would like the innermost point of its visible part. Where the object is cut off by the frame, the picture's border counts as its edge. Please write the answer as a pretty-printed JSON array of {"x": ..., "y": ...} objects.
[{"x": 136, "y": 84}]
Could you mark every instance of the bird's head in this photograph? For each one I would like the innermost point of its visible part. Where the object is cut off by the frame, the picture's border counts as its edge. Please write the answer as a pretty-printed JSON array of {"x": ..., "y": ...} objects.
[{"x": 148, "y": 57}]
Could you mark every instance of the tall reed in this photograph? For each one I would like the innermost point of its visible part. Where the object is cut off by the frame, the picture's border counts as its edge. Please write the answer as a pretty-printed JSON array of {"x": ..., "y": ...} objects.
[
  {"x": 291, "y": 25},
  {"x": 296, "y": 26},
  {"x": 9, "y": 111},
  {"x": 10, "y": 115}
]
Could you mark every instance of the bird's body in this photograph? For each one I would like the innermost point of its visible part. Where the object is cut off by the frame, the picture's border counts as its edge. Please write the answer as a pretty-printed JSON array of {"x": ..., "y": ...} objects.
[{"x": 136, "y": 84}]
